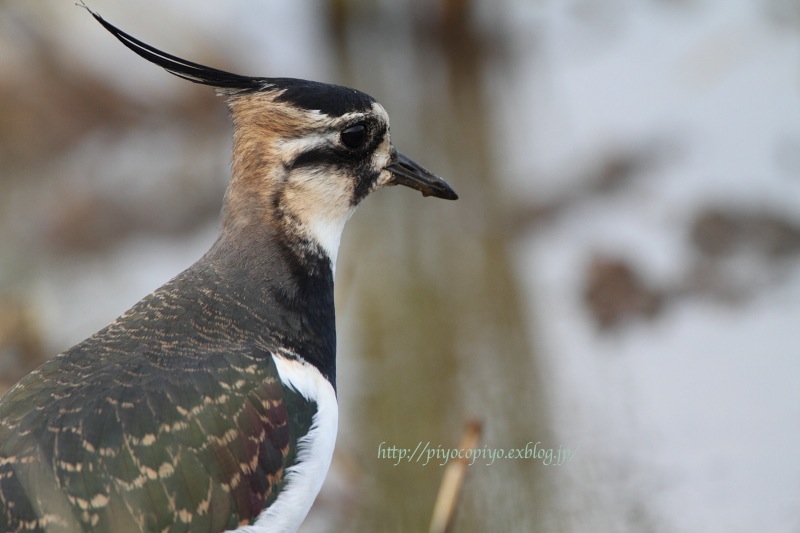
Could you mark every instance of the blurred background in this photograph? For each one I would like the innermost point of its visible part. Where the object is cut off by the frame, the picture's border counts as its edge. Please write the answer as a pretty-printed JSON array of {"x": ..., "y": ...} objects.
[{"x": 620, "y": 277}]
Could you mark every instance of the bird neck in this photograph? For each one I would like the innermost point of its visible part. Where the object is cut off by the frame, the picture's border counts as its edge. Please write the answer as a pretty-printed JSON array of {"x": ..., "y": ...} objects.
[
  {"x": 284, "y": 285},
  {"x": 274, "y": 252}
]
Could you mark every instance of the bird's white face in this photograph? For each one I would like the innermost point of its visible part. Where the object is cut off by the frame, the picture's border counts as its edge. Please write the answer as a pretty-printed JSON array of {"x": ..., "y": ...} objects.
[
  {"x": 309, "y": 169},
  {"x": 322, "y": 167},
  {"x": 316, "y": 167},
  {"x": 331, "y": 167},
  {"x": 354, "y": 148}
]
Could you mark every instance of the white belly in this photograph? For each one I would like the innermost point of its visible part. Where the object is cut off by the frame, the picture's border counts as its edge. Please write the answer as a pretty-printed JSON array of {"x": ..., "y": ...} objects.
[{"x": 314, "y": 451}]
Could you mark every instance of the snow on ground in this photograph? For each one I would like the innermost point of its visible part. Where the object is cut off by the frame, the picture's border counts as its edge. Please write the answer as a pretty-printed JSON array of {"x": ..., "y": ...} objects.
[{"x": 700, "y": 406}]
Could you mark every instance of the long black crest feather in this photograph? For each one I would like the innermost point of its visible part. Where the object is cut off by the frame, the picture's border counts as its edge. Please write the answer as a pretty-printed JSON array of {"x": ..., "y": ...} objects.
[
  {"x": 182, "y": 68},
  {"x": 332, "y": 100}
]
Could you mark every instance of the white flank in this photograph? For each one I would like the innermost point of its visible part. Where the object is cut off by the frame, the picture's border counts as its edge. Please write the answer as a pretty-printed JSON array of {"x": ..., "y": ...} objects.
[{"x": 314, "y": 451}]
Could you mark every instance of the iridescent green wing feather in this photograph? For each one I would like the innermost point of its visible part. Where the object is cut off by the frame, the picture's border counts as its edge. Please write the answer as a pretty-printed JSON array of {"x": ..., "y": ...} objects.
[{"x": 146, "y": 443}]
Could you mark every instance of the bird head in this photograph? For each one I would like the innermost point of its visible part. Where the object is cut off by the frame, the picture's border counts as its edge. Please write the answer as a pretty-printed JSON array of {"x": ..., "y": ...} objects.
[{"x": 304, "y": 152}]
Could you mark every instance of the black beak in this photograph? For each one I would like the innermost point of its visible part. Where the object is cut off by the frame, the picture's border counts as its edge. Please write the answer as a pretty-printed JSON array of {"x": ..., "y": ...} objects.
[{"x": 407, "y": 172}]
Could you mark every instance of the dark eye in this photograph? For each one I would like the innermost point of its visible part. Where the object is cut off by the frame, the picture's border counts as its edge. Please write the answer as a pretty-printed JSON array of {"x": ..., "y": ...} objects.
[{"x": 354, "y": 136}]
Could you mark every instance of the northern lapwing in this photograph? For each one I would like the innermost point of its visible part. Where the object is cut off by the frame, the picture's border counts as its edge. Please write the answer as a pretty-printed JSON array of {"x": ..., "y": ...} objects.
[{"x": 211, "y": 404}]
